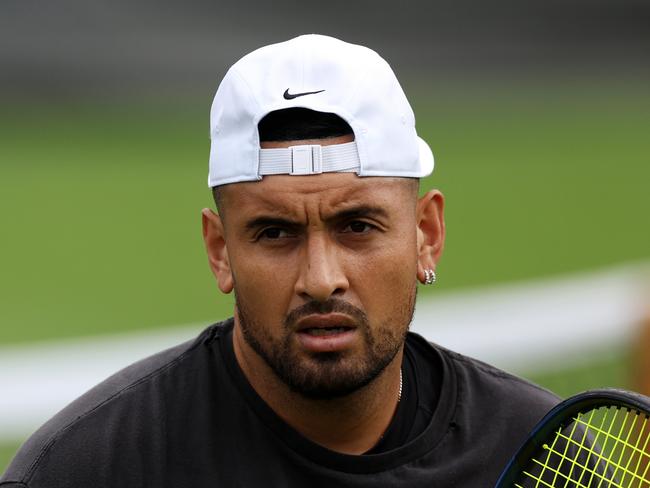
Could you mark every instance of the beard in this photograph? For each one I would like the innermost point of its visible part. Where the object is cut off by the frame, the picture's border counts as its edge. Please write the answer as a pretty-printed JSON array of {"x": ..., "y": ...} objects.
[{"x": 328, "y": 375}]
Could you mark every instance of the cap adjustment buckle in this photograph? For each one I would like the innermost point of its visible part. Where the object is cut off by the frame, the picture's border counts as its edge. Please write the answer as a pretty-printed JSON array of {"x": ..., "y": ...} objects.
[{"x": 306, "y": 159}]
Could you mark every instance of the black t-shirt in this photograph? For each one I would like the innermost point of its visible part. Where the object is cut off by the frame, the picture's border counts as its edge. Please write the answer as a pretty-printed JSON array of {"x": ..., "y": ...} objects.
[
  {"x": 187, "y": 417},
  {"x": 422, "y": 374}
]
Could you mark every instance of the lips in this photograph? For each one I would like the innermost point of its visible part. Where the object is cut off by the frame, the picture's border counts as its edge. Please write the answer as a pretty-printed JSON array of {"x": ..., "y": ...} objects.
[
  {"x": 326, "y": 332},
  {"x": 321, "y": 324}
]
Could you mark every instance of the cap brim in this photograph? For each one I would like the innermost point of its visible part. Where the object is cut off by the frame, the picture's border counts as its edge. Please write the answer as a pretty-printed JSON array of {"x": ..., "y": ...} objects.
[{"x": 426, "y": 161}]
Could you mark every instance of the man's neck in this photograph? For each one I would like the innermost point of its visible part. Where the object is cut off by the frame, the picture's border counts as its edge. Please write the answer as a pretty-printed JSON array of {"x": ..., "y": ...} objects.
[{"x": 352, "y": 424}]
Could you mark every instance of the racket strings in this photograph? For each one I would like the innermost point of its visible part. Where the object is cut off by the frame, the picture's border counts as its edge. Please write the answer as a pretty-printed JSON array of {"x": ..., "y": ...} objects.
[{"x": 608, "y": 447}]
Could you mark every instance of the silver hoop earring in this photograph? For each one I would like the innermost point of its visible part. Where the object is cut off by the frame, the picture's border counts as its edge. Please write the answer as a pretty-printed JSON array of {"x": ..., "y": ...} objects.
[{"x": 429, "y": 277}]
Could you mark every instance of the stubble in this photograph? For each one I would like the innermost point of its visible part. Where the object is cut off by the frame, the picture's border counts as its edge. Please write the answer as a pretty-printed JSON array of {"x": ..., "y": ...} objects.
[{"x": 328, "y": 375}]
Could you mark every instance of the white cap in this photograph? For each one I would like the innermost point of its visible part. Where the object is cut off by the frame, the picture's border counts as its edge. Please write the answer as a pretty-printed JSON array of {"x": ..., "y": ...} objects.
[{"x": 326, "y": 75}]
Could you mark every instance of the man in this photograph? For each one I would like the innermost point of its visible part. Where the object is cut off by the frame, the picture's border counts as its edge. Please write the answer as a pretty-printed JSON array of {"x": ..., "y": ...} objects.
[{"x": 316, "y": 381}]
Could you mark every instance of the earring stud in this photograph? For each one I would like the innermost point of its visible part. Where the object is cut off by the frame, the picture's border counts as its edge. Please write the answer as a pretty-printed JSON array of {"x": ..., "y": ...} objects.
[{"x": 429, "y": 277}]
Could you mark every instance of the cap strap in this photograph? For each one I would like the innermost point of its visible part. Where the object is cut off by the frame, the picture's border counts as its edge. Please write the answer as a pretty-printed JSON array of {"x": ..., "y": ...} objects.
[{"x": 309, "y": 159}]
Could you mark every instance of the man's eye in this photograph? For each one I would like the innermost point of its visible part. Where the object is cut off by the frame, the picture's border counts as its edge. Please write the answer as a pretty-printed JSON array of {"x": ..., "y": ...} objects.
[
  {"x": 273, "y": 233},
  {"x": 358, "y": 227}
]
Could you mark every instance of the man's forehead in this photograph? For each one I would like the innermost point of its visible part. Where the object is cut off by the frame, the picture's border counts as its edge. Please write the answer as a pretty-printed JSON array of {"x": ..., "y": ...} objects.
[{"x": 327, "y": 192}]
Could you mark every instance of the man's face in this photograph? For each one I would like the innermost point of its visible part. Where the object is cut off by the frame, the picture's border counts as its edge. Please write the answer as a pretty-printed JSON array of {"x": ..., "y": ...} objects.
[{"x": 324, "y": 272}]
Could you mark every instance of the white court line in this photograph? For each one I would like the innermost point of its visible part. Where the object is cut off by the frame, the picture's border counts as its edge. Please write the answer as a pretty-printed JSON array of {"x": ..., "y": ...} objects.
[
  {"x": 532, "y": 325},
  {"x": 515, "y": 327}
]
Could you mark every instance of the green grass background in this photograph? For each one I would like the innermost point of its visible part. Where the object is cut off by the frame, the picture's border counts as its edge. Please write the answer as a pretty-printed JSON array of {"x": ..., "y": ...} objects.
[{"x": 100, "y": 204}]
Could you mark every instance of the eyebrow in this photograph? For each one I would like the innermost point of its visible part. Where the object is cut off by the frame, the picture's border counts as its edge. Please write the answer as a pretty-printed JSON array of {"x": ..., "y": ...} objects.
[
  {"x": 267, "y": 221},
  {"x": 360, "y": 211},
  {"x": 346, "y": 214}
]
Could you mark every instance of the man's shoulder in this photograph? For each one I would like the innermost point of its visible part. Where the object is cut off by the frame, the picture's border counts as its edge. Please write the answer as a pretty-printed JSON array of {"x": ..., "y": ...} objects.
[
  {"x": 484, "y": 391},
  {"x": 499, "y": 404},
  {"x": 490, "y": 411},
  {"x": 126, "y": 393},
  {"x": 470, "y": 369},
  {"x": 496, "y": 383}
]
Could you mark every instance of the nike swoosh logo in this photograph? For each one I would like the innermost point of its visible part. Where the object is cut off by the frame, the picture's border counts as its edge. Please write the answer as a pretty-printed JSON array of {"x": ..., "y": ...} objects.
[{"x": 291, "y": 96}]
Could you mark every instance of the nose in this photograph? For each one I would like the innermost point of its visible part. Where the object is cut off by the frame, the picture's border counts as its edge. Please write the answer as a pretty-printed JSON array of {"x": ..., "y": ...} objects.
[{"x": 321, "y": 272}]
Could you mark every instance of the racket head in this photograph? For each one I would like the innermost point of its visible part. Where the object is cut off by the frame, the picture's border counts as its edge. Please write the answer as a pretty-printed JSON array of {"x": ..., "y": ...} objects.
[{"x": 599, "y": 438}]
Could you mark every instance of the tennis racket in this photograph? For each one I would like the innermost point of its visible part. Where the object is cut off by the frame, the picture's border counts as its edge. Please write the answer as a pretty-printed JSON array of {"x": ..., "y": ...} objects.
[{"x": 597, "y": 439}]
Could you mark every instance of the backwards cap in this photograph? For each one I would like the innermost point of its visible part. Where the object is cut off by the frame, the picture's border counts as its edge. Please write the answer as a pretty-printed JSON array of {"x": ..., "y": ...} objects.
[{"x": 326, "y": 75}]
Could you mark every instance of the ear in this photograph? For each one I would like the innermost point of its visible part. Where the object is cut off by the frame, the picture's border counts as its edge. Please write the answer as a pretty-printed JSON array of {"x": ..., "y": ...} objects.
[
  {"x": 215, "y": 244},
  {"x": 430, "y": 231}
]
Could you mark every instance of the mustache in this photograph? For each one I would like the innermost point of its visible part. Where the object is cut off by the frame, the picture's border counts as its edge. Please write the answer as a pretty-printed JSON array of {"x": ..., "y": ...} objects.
[{"x": 331, "y": 305}]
